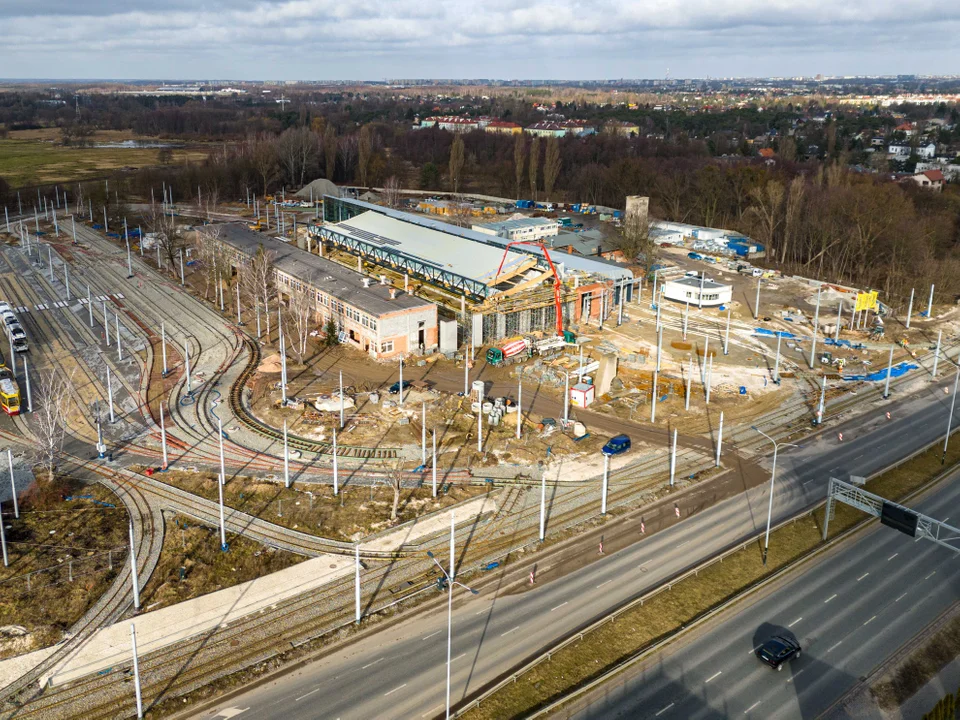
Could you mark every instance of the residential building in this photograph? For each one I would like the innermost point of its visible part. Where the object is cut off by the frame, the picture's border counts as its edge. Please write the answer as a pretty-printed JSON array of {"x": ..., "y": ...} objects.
[
  {"x": 376, "y": 318},
  {"x": 928, "y": 179},
  {"x": 622, "y": 127},
  {"x": 546, "y": 129},
  {"x": 504, "y": 127},
  {"x": 451, "y": 123},
  {"x": 579, "y": 128}
]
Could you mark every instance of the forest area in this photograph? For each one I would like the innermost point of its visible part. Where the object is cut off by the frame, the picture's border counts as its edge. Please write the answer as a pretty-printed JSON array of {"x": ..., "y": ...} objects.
[{"x": 815, "y": 215}]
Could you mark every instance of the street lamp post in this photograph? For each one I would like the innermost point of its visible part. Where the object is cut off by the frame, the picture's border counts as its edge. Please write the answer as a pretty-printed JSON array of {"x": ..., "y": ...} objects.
[
  {"x": 451, "y": 581},
  {"x": 773, "y": 474},
  {"x": 953, "y": 403}
]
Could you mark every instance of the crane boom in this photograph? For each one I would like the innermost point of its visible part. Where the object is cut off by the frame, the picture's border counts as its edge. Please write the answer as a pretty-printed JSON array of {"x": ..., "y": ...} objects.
[{"x": 553, "y": 269}]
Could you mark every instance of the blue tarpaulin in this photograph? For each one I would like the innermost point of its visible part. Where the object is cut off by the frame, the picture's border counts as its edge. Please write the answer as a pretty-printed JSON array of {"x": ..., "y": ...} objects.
[
  {"x": 896, "y": 371},
  {"x": 844, "y": 343},
  {"x": 771, "y": 333}
]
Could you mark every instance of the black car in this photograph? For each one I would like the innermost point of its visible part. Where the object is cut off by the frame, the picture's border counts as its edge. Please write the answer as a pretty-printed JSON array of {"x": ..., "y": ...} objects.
[
  {"x": 778, "y": 650},
  {"x": 395, "y": 388}
]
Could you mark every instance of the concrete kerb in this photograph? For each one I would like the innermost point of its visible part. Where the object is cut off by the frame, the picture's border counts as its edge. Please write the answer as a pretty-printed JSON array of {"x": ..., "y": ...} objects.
[{"x": 743, "y": 594}]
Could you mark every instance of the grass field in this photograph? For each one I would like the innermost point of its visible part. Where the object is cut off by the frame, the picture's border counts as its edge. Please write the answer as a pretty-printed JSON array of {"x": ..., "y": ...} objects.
[
  {"x": 32, "y": 157},
  {"x": 668, "y": 611}
]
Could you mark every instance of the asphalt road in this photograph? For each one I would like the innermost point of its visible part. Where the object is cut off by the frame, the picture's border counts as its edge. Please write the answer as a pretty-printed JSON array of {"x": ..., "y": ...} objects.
[
  {"x": 849, "y": 612},
  {"x": 399, "y": 672}
]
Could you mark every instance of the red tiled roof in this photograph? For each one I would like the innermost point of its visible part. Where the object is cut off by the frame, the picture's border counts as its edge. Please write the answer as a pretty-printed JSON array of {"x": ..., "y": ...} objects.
[{"x": 933, "y": 175}]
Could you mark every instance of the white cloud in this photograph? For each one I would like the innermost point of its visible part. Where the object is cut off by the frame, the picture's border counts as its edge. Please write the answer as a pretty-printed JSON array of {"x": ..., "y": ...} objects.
[{"x": 485, "y": 38}]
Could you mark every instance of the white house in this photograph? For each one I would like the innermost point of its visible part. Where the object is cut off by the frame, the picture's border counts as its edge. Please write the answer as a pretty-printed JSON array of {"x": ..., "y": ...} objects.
[{"x": 689, "y": 289}]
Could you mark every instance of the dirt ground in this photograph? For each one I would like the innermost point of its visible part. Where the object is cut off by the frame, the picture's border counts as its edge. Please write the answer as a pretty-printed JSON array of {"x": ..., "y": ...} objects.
[
  {"x": 192, "y": 564},
  {"x": 357, "y": 512},
  {"x": 60, "y": 542}
]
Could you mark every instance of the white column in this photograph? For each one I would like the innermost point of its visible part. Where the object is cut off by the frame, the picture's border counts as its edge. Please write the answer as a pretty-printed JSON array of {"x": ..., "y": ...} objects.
[
  {"x": 756, "y": 307},
  {"x": 519, "y": 406},
  {"x": 686, "y": 401},
  {"x": 223, "y": 470},
  {"x": 286, "y": 457},
  {"x": 776, "y": 363},
  {"x": 116, "y": 317},
  {"x": 26, "y": 378},
  {"x": 423, "y": 434},
  {"x": 726, "y": 337},
  {"x": 223, "y": 528},
  {"x": 886, "y": 385},
  {"x": 653, "y": 401},
  {"x": 136, "y": 670},
  {"x": 110, "y": 394},
  {"x": 163, "y": 347},
  {"x": 709, "y": 379},
  {"x": 686, "y": 317},
  {"x": 673, "y": 458},
  {"x": 930, "y": 304},
  {"x": 133, "y": 572},
  {"x": 659, "y": 345},
  {"x": 566, "y": 398},
  {"x": 603, "y": 490},
  {"x": 480, "y": 428},
  {"x": 936, "y": 355},
  {"x": 13, "y": 485},
  {"x": 434, "y": 463},
  {"x": 356, "y": 584},
  {"x": 186, "y": 361},
  {"x": 823, "y": 397},
  {"x": 401, "y": 381},
  {"x": 836, "y": 332},
  {"x": 543, "y": 504},
  {"x": 336, "y": 476},
  {"x": 816, "y": 323},
  {"x": 163, "y": 437},
  {"x": 3, "y": 544},
  {"x": 910, "y": 307},
  {"x": 341, "y": 399},
  {"x": 719, "y": 439}
]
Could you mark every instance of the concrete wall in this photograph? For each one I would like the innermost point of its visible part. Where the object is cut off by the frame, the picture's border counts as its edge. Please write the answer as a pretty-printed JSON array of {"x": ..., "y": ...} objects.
[
  {"x": 403, "y": 328},
  {"x": 448, "y": 336}
]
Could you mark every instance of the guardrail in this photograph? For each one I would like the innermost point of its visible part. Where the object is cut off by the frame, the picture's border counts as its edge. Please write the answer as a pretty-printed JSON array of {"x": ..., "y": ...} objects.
[{"x": 683, "y": 575}]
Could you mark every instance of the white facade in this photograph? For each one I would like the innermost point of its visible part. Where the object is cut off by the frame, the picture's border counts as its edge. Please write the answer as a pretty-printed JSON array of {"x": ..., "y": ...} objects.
[
  {"x": 521, "y": 229},
  {"x": 688, "y": 289}
]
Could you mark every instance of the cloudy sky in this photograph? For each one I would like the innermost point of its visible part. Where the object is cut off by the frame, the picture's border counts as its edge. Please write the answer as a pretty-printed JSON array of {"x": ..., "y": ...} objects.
[{"x": 378, "y": 39}]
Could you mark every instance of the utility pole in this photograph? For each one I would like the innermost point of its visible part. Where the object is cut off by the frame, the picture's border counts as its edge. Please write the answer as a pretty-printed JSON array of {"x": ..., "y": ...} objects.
[
  {"x": 930, "y": 304},
  {"x": 26, "y": 377},
  {"x": 953, "y": 403},
  {"x": 566, "y": 398},
  {"x": 719, "y": 440},
  {"x": 653, "y": 401},
  {"x": 836, "y": 331},
  {"x": 756, "y": 307},
  {"x": 519, "y": 407},
  {"x": 936, "y": 354},
  {"x": 886, "y": 385},
  {"x": 13, "y": 486},
  {"x": 136, "y": 670},
  {"x": 776, "y": 364},
  {"x": 341, "y": 400},
  {"x": 163, "y": 437},
  {"x": 726, "y": 337},
  {"x": 673, "y": 458},
  {"x": 401, "y": 382},
  {"x": 686, "y": 402},
  {"x": 163, "y": 347},
  {"x": 603, "y": 490},
  {"x": 910, "y": 307},
  {"x": 823, "y": 397},
  {"x": 816, "y": 323},
  {"x": 543, "y": 504},
  {"x": 336, "y": 478},
  {"x": 110, "y": 394},
  {"x": 356, "y": 584},
  {"x": 433, "y": 435},
  {"x": 133, "y": 571},
  {"x": 286, "y": 457}
]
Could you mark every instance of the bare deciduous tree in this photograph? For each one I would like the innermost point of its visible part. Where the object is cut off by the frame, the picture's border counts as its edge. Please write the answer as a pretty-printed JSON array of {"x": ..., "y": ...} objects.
[
  {"x": 534, "y": 165},
  {"x": 393, "y": 480},
  {"x": 212, "y": 257},
  {"x": 391, "y": 192},
  {"x": 364, "y": 152},
  {"x": 551, "y": 166},
  {"x": 297, "y": 150},
  {"x": 50, "y": 415},
  {"x": 265, "y": 160},
  {"x": 519, "y": 158},
  {"x": 259, "y": 279},
  {"x": 330, "y": 151},
  {"x": 634, "y": 239},
  {"x": 456, "y": 163},
  {"x": 167, "y": 234},
  {"x": 301, "y": 311}
]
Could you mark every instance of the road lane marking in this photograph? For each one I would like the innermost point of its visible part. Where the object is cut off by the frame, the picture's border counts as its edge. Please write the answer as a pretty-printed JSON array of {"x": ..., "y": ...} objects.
[
  {"x": 829, "y": 598},
  {"x": 870, "y": 620},
  {"x": 747, "y": 711},
  {"x": 432, "y": 634},
  {"x": 892, "y": 557},
  {"x": 432, "y": 711},
  {"x": 795, "y": 622},
  {"x": 930, "y": 575},
  {"x": 900, "y": 598},
  {"x": 458, "y": 657},
  {"x": 510, "y": 631},
  {"x": 834, "y": 646},
  {"x": 558, "y": 606},
  {"x": 682, "y": 544},
  {"x": 604, "y": 583},
  {"x": 371, "y": 664},
  {"x": 390, "y": 692},
  {"x": 862, "y": 576},
  {"x": 307, "y": 695},
  {"x": 755, "y": 649},
  {"x": 662, "y": 711},
  {"x": 796, "y": 675},
  {"x": 714, "y": 676}
]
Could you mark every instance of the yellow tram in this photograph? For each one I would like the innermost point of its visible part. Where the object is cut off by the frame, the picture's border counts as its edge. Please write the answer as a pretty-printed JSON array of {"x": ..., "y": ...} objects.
[{"x": 9, "y": 392}]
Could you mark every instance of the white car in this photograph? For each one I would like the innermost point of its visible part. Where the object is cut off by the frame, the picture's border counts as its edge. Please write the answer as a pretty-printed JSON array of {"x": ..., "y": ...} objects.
[{"x": 5, "y": 308}]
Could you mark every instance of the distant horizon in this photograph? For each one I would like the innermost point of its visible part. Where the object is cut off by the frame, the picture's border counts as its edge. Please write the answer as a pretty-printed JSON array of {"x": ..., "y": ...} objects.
[{"x": 906, "y": 77}]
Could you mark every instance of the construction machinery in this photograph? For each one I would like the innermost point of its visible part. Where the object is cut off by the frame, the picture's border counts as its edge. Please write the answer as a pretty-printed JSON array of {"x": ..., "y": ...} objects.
[{"x": 553, "y": 269}]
